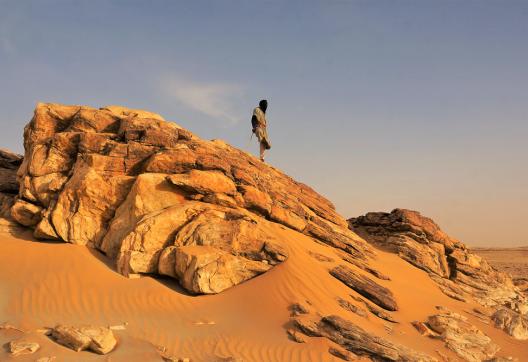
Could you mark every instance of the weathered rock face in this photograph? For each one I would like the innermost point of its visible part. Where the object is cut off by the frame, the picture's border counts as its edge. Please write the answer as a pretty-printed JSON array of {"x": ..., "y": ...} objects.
[
  {"x": 17, "y": 348},
  {"x": 158, "y": 199},
  {"x": 365, "y": 286},
  {"x": 100, "y": 340},
  {"x": 459, "y": 273},
  {"x": 513, "y": 323},
  {"x": 9, "y": 163},
  {"x": 463, "y": 338},
  {"x": 356, "y": 340}
]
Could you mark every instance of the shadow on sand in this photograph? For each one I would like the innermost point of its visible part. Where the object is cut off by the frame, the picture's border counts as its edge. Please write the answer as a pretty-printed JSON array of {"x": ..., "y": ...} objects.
[{"x": 20, "y": 232}]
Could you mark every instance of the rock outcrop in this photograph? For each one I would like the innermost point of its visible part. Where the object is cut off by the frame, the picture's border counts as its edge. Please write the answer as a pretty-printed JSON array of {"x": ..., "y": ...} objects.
[
  {"x": 459, "y": 273},
  {"x": 158, "y": 199},
  {"x": 463, "y": 338},
  {"x": 512, "y": 322},
  {"x": 365, "y": 286},
  {"x": 9, "y": 163}
]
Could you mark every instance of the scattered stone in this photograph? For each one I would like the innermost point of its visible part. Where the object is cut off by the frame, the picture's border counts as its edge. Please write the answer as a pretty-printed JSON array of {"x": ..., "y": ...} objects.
[
  {"x": 295, "y": 336},
  {"x": 352, "y": 308},
  {"x": 230, "y": 359},
  {"x": 165, "y": 355},
  {"x": 320, "y": 257},
  {"x": 17, "y": 348},
  {"x": 342, "y": 353},
  {"x": 463, "y": 338},
  {"x": 424, "y": 329},
  {"x": 46, "y": 359},
  {"x": 119, "y": 327},
  {"x": 301, "y": 307},
  {"x": 443, "y": 356},
  {"x": 388, "y": 328},
  {"x": 481, "y": 317},
  {"x": 7, "y": 326},
  {"x": 44, "y": 331},
  {"x": 97, "y": 339},
  {"x": 363, "y": 265},
  {"x": 378, "y": 312},
  {"x": 513, "y": 323},
  {"x": 503, "y": 359},
  {"x": 366, "y": 287},
  {"x": 358, "y": 341}
]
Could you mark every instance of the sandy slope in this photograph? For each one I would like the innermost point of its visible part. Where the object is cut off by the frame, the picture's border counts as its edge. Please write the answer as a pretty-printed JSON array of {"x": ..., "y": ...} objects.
[{"x": 42, "y": 284}]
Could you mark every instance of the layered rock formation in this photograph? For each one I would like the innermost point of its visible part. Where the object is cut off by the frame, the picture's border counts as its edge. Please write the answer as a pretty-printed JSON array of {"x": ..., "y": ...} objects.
[
  {"x": 356, "y": 340},
  {"x": 459, "y": 273},
  {"x": 9, "y": 163},
  {"x": 158, "y": 199}
]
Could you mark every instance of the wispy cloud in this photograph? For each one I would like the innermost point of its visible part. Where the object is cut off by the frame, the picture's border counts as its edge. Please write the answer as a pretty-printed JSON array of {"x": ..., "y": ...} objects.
[{"x": 217, "y": 100}]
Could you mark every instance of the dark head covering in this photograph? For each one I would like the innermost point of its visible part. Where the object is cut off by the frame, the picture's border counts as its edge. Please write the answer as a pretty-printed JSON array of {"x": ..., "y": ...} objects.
[{"x": 263, "y": 104}]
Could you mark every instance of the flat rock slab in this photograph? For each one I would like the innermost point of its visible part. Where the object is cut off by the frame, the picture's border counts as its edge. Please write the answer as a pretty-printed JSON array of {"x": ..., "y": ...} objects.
[
  {"x": 97, "y": 339},
  {"x": 358, "y": 341},
  {"x": 366, "y": 287},
  {"x": 463, "y": 338},
  {"x": 17, "y": 348}
]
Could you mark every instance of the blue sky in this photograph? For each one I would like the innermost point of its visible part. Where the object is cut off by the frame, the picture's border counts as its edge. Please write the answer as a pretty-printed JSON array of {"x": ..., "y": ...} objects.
[{"x": 376, "y": 104}]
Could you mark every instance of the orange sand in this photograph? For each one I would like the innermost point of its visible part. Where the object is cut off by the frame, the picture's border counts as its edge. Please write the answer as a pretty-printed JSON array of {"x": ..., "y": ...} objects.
[{"x": 43, "y": 284}]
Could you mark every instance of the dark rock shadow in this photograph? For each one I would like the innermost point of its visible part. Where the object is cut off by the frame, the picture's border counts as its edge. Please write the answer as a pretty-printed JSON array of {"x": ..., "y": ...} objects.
[
  {"x": 5, "y": 347},
  {"x": 166, "y": 281},
  {"x": 103, "y": 259},
  {"x": 18, "y": 231},
  {"x": 25, "y": 233},
  {"x": 173, "y": 284}
]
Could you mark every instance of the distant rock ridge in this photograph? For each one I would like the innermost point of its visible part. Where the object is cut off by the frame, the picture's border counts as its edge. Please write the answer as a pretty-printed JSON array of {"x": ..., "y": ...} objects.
[
  {"x": 158, "y": 199},
  {"x": 458, "y": 272}
]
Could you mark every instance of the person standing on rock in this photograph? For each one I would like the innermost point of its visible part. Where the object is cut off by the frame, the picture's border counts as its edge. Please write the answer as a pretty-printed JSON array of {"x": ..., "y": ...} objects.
[{"x": 259, "y": 124}]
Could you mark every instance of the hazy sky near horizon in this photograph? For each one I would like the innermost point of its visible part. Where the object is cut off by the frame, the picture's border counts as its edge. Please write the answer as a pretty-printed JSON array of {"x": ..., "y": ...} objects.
[{"x": 375, "y": 104}]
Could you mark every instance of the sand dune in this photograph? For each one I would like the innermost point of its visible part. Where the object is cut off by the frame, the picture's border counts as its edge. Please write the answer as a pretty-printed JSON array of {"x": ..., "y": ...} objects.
[{"x": 48, "y": 283}]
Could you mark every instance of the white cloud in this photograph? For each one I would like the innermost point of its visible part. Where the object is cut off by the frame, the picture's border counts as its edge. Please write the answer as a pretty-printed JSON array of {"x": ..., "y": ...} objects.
[{"x": 217, "y": 100}]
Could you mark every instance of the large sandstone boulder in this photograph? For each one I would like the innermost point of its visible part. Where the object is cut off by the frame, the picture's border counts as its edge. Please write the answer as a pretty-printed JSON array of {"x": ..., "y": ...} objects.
[
  {"x": 459, "y": 273},
  {"x": 158, "y": 199}
]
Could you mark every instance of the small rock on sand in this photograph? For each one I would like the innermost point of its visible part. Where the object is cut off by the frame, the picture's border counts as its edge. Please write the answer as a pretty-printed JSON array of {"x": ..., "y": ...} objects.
[{"x": 17, "y": 348}]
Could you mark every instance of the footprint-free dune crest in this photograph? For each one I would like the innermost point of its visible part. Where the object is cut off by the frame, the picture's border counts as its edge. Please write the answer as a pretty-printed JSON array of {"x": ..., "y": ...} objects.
[{"x": 238, "y": 262}]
